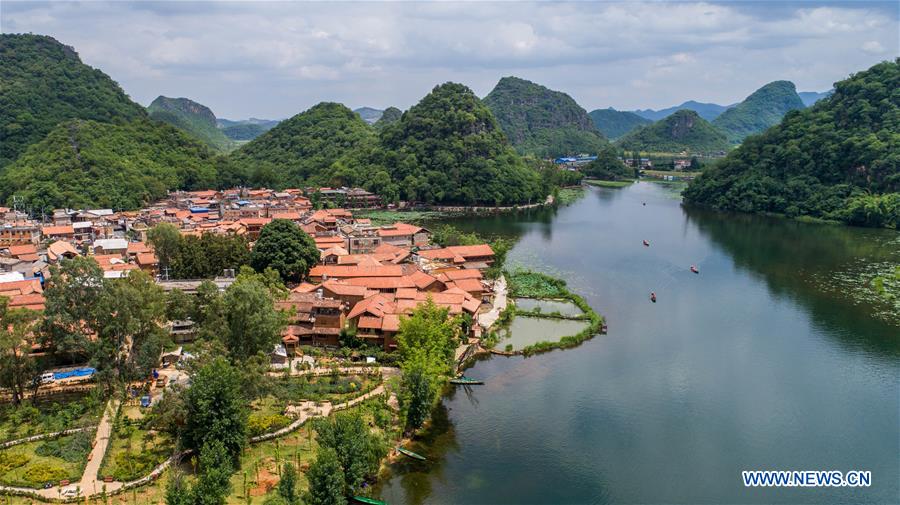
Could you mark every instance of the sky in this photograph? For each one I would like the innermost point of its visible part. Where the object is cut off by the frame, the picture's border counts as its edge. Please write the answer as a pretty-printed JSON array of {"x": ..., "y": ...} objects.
[{"x": 275, "y": 59}]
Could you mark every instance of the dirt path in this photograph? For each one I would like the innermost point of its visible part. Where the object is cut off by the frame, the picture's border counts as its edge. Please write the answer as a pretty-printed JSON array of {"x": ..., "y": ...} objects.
[
  {"x": 91, "y": 483},
  {"x": 487, "y": 319}
]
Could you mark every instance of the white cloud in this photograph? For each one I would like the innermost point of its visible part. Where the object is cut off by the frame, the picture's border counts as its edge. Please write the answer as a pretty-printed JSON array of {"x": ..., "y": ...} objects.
[{"x": 873, "y": 47}]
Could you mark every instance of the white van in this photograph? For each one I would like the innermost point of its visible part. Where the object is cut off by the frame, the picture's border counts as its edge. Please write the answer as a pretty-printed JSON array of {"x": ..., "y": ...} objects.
[{"x": 47, "y": 378}]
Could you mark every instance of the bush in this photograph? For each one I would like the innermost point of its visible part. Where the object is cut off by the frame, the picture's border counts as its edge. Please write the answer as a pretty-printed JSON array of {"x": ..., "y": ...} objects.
[
  {"x": 260, "y": 425},
  {"x": 70, "y": 448},
  {"x": 44, "y": 472},
  {"x": 9, "y": 461}
]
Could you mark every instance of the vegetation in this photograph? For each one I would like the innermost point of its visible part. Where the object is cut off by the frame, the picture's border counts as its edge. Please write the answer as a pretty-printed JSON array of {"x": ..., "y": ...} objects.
[
  {"x": 390, "y": 115},
  {"x": 368, "y": 114},
  {"x": 17, "y": 366},
  {"x": 136, "y": 448},
  {"x": 358, "y": 450},
  {"x": 608, "y": 184},
  {"x": 120, "y": 166},
  {"x": 682, "y": 131},
  {"x": 44, "y": 83},
  {"x": 540, "y": 121},
  {"x": 49, "y": 416},
  {"x": 287, "y": 249},
  {"x": 197, "y": 257},
  {"x": 614, "y": 123},
  {"x": 759, "y": 111},
  {"x": 608, "y": 167},
  {"x": 708, "y": 111},
  {"x": 191, "y": 117},
  {"x": 250, "y": 323},
  {"x": 837, "y": 160}
]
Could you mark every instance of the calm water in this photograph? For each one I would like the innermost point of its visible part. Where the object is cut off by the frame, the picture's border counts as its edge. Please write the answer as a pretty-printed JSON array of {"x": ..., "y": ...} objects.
[
  {"x": 769, "y": 359},
  {"x": 548, "y": 306},
  {"x": 525, "y": 331}
]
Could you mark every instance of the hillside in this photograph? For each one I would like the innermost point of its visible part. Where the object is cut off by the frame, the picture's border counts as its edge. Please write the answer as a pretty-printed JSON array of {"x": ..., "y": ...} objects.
[
  {"x": 763, "y": 108},
  {"x": 193, "y": 118},
  {"x": 245, "y": 129},
  {"x": 368, "y": 114},
  {"x": 540, "y": 121},
  {"x": 614, "y": 123},
  {"x": 684, "y": 130},
  {"x": 120, "y": 166},
  {"x": 448, "y": 148},
  {"x": 839, "y": 159},
  {"x": 43, "y": 83},
  {"x": 390, "y": 115},
  {"x": 302, "y": 149},
  {"x": 707, "y": 111}
]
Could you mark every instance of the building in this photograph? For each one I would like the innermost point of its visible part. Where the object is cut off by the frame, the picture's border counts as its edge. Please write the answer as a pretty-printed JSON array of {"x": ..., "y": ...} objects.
[{"x": 312, "y": 320}]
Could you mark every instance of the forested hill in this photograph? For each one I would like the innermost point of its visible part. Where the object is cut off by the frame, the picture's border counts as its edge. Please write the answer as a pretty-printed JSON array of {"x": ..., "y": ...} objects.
[
  {"x": 303, "y": 148},
  {"x": 839, "y": 159},
  {"x": 43, "y": 83},
  {"x": 707, "y": 111},
  {"x": 369, "y": 114},
  {"x": 120, "y": 166},
  {"x": 542, "y": 122},
  {"x": 615, "y": 123},
  {"x": 390, "y": 115},
  {"x": 194, "y": 118},
  {"x": 245, "y": 129},
  {"x": 763, "y": 108},
  {"x": 682, "y": 131}
]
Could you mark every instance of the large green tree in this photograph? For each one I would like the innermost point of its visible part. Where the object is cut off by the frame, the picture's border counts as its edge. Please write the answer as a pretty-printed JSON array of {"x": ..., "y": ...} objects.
[
  {"x": 252, "y": 324},
  {"x": 358, "y": 450},
  {"x": 216, "y": 409},
  {"x": 17, "y": 365},
  {"x": 326, "y": 480},
  {"x": 72, "y": 294},
  {"x": 287, "y": 249}
]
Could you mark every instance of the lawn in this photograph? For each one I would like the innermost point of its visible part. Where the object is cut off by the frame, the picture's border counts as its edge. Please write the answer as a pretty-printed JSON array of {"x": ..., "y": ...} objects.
[
  {"x": 134, "y": 451},
  {"x": 51, "y": 460},
  {"x": 50, "y": 415}
]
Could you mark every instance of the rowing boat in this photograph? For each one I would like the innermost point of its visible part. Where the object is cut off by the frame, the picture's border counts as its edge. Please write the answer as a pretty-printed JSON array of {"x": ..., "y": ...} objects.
[
  {"x": 407, "y": 452},
  {"x": 465, "y": 381},
  {"x": 369, "y": 501}
]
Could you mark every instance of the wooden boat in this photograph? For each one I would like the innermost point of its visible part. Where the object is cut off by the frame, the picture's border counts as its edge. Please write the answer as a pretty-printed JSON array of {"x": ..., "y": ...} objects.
[
  {"x": 694, "y": 269},
  {"x": 369, "y": 501},
  {"x": 407, "y": 452},
  {"x": 653, "y": 297},
  {"x": 646, "y": 244},
  {"x": 465, "y": 381}
]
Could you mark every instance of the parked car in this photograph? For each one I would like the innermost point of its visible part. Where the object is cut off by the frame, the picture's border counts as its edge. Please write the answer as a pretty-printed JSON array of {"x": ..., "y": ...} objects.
[{"x": 47, "y": 378}]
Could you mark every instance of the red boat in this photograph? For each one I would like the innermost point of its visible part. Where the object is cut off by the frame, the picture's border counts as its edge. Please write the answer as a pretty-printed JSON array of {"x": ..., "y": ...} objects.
[
  {"x": 694, "y": 269},
  {"x": 647, "y": 244},
  {"x": 653, "y": 297}
]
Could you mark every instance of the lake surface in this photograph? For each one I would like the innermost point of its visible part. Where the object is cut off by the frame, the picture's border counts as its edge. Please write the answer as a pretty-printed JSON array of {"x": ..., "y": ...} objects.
[
  {"x": 565, "y": 308},
  {"x": 775, "y": 356},
  {"x": 525, "y": 331}
]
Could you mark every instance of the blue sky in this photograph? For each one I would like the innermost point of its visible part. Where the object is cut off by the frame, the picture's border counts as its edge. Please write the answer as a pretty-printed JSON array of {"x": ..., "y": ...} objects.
[{"x": 274, "y": 59}]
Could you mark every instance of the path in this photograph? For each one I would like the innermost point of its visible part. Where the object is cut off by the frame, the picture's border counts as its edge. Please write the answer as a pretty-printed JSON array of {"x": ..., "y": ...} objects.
[
  {"x": 487, "y": 319},
  {"x": 90, "y": 482}
]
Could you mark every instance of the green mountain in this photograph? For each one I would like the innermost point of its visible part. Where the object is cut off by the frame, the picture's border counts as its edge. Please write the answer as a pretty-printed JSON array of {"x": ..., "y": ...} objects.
[
  {"x": 811, "y": 97},
  {"x": 684, "y": 130},
  {"x": 368, "y": 114},
  {"x": 120, "y": 166},
  {"x": 707, "y": 111},
  {"x": 43, "y": 83},
  {"x": 245, "y": 129},
  {"x": 762, "y": 109},
  {"x": 614, "y": 123},
  {"x": 839, "y": 159},
  {"x": 541, "y": 121},
  {"x": 390, "y": 115},
  {"x": 193, "y": 118},
  {"x": 302, "y": 149},
  {"x": 449, "y": 148}
]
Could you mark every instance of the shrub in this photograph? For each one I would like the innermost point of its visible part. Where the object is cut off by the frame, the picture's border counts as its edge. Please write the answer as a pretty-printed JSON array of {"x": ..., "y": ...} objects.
[
  {"x": 40, "y": 473},
  {"x": 259, "y": 425},
  {"x": 11, "y": 460}
]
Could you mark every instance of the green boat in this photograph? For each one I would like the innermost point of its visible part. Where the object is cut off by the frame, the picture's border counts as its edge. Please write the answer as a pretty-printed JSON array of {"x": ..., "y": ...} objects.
[
  {"x": 369, "y": 501},
  {"x": 407, "y": 452},
  {"x": 465, "y": 381}
]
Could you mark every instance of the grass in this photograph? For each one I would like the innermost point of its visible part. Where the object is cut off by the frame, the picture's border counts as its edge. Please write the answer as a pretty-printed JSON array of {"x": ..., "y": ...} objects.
[
  {"x": 663, "y": 173},
  {"x": 48, "y": 416},
  {"x": 568, "y": 196},
  {"x": 35, "y": 463},
  {"x": 134, "y": 451},
  {"x": 608, "y": 184}
]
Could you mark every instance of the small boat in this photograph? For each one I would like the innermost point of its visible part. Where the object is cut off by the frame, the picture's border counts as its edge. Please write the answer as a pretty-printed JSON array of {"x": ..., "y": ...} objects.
[
  {"x": 646, "y": 244},
  {"x": 653, "y": 297},
  {"x": 369, "y": 501},
  {"x": 407, "y": 452},
  {"x": 644, "y": 204},
  {"x": 694, "y": 269},
  {"x": 465, "y": 381}
]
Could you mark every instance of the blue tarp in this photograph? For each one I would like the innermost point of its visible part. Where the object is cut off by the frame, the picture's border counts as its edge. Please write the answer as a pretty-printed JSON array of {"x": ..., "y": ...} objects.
[{"x": 78, "y": 372}]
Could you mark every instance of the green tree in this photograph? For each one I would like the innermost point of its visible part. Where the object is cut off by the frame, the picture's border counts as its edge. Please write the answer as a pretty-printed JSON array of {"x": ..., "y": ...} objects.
[
  {"x": 214, "y": 482},
  {"x": 252, "y": 324},
  {"x": 358, "y": 451},
  {"x": 283, "y": 246},
  {"x": 177, "y": 491},
  {"x": 17, "y": 364},
  {"x": 72, "y": 294},
  {"x": 418, "y": 393},
  {"x": 180, "y": 305},
  {"x": 326, "y": 480},
  {"x": 166, "y": 241},
  {"x": 287, "y": 486},
  {"x": 216, "y": 409}
]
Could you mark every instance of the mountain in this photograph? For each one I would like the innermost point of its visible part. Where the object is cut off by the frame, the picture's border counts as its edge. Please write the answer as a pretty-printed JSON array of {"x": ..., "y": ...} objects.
[
  {"x": 839, "y": 159},
  {"x": 121, "y": 166},
  {"x": 194, "y": 118},
  {"x": 614, "y": 123},
  {"x": 684, "y": 130},
  {"x": 43, "y": 83},
  {"x": 763, "y": 108},
  {"x": 368, "y": 114},
  {"x": 449, "y": 148},
  {"x": 390, "y": 115},
  {"x": 245, "y": 129},
  {"x": 540, "y": 121},
  {"x": 811, "y": 97},
  {"x": 707, "y": 111},
  {"x": 302, "y": 149}
]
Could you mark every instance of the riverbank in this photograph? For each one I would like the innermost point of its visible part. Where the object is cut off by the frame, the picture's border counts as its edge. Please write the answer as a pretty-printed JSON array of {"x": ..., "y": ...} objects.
[{"x": 608, "y": 184}]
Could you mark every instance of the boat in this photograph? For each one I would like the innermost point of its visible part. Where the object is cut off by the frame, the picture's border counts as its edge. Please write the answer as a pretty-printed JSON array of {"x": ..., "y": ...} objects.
[
  {"x": 369, "y": 501},
  {"x": 465, "y": 381},
  {"x": 653, "y": 297},
  {"x": 694, "y": 269},
  {"x": 647, "y": 244},
  {"x": 407, "y": 452}
]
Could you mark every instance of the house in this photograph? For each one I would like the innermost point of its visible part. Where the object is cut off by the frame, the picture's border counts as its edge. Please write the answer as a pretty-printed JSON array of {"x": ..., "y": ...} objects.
[
  {"x": 182, "y": 331},
  {"x": 404, "y": 235},
  {"x": 312, "y": 320},
  {"x": 60, "y": 250},
  {"x": 117, "y": 246},
  {"x": 478, "y": 256},
  {"x": 66, "y": 232},
  {"x": 19, "y": 232}
]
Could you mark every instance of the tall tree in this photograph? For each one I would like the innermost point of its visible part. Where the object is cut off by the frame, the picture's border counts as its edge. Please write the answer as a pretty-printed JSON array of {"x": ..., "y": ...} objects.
[
  {"x": 283, "y": 246},
  {"x": 166, "y": 241},
  {"x": 326, "y": 480},
  {"x": 17, "y": 365},
  {"x": 358, "y": 450},
  {"x": 216, "y": 409},
  {"x": 214, "y": 482},
  {"x": 71, "y": 297},
  {"x": 253, "y": 325}
]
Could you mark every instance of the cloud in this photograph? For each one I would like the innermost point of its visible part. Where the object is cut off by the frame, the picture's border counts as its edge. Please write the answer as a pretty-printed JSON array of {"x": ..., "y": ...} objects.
[{"x": 275, "y": 59}]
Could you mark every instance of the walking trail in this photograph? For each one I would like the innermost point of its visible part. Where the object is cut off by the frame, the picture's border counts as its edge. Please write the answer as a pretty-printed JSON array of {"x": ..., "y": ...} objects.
[{"x": 487, "y": 319}]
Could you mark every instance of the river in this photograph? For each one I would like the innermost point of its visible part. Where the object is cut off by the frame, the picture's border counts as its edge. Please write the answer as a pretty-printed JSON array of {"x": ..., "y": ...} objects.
[{"x": 774, "y": 357}]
